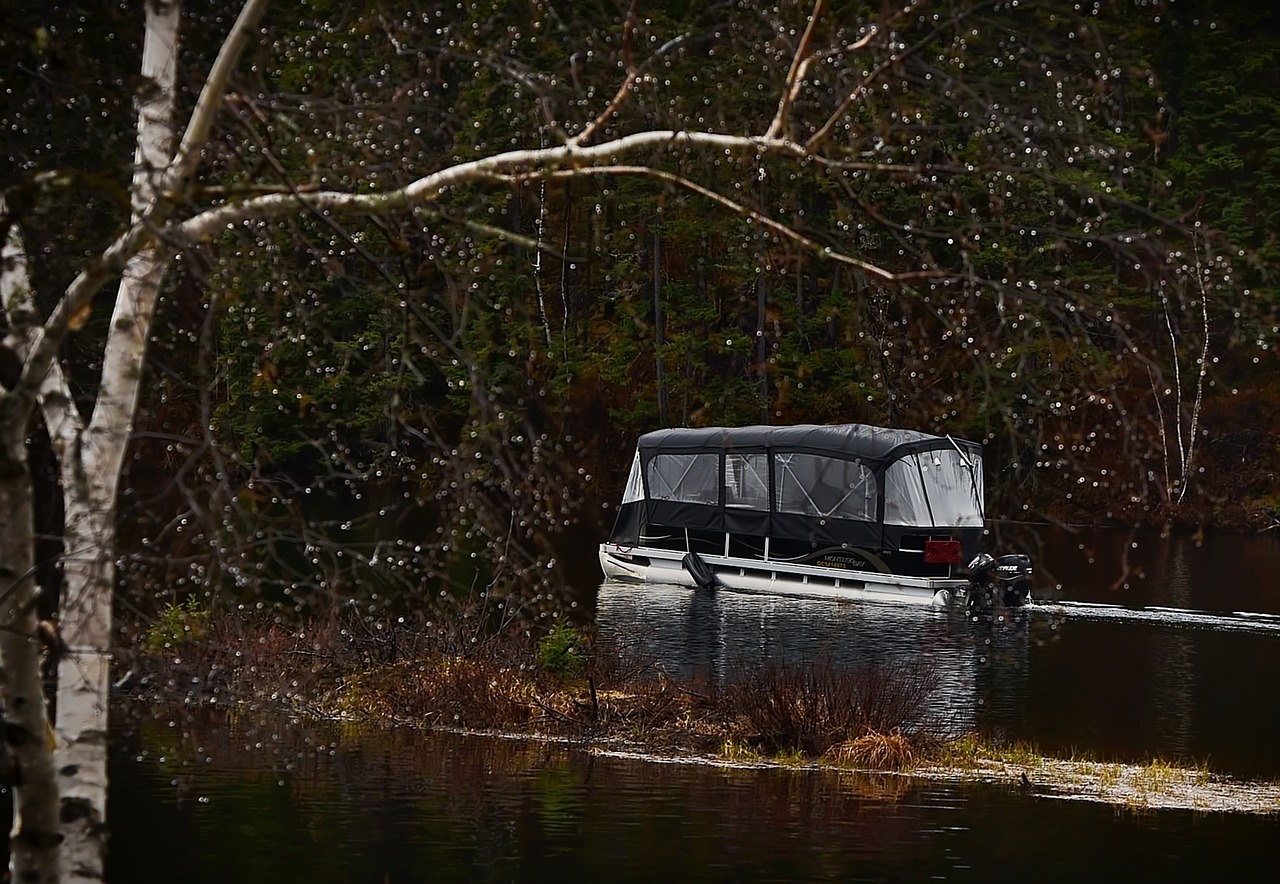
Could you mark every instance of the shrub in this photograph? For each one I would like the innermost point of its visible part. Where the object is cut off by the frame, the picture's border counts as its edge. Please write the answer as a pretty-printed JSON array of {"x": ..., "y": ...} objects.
[
  {"x": 813, "y": 707},
  {"x": 177, "y": 625},
  {"x": 562, "y": 652}
]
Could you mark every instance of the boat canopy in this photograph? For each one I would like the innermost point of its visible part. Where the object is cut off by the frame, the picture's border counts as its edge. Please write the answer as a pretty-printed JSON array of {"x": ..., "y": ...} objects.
[{"x": 825, "y": 484}]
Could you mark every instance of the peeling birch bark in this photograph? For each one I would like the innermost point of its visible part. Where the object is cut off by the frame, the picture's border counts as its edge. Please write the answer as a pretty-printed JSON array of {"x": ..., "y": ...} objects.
[
  {"x": 28, "y": 756},
  {"x": 90, "y": 469}
]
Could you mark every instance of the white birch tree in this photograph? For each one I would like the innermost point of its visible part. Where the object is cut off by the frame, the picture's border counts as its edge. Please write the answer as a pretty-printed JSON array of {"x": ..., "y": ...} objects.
[
  {"x": 90, "y": 454},
  {"x": 34, "y": 837}
]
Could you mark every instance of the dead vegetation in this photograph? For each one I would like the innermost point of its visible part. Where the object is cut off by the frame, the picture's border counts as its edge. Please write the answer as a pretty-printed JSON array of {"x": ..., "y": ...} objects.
[
  {"x": 554, "y": 684},
  {"x": 876, "y": 751},
  {"x": 813, "y": 713}
]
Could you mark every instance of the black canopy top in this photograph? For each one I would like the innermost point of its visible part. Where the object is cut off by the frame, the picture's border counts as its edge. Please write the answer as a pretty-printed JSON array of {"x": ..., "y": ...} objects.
[
  {"x": 846, "y": 484},
  {"x": 846, "y": 441}
]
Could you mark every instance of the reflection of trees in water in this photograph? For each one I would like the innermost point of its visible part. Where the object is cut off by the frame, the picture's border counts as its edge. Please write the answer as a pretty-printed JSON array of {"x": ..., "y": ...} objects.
[
  {"x": 1000, "y": 648},
  {"x": 1155, "y": 669},
  {"x": 1216, "y": 572},
  {"x": 699, "y": 634},
  {"x": 285, "y": 798},
  {"x": 260, "y": 786},
  {"x": 1173, "y": 658}
]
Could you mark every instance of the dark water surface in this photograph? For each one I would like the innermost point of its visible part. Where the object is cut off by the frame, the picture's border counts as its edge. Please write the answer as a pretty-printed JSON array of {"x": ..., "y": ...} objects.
[
  {"x": 1180, "y": 663},
  {"x": 399, "y": 807}
]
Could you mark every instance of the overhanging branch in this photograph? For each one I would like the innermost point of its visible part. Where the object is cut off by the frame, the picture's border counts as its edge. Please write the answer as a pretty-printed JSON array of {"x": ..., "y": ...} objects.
[{"x": 569, "y": 158}]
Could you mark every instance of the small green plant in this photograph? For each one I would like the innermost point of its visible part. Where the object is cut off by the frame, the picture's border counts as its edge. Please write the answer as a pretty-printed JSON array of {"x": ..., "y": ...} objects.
[
  {"x": 1020, "y": 753},
  {"x": 792, "y": 755},
  {"x": 737, "y": 750},
  {"x": 1109, "y": 776},
  {"x": 562, "y": 652},
  {"x": 964, "y": 751},
  {"x": 176, "y": 625},
  {"x": 973, "y": 750},
  {"x": 1157, "y": 776}
]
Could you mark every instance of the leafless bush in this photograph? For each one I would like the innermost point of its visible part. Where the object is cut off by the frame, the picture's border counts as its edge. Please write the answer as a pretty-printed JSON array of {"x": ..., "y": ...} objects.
[
  {"x": 896, "y": 697},
  {"x": 814, "y": 706}
]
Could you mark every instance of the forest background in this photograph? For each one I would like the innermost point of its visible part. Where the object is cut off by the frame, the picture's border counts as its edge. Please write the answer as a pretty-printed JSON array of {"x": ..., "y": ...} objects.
[{"x": 1076, "y": 202}]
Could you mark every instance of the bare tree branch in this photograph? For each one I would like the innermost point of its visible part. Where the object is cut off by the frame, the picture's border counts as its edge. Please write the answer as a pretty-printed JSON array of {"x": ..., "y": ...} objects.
[
  {"x": 168, "y": 191},
  {"x": 795, "y": 77},
  {"x": 863, "y": 88},
  {"x": 495, "y": 168},
  {"x": 628, "y": 82}
]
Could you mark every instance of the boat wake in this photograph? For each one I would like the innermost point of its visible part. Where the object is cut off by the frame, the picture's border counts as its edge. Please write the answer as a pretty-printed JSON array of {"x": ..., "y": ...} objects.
[{"x": 1234, "y": 621}]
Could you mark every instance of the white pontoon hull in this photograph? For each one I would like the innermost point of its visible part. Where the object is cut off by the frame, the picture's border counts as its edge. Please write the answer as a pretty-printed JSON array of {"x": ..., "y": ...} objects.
[{"x": 652, "y": 565}]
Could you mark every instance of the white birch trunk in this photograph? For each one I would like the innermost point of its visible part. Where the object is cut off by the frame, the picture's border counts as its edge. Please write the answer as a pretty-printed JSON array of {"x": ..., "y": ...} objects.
[
  {"x": 28, "y": 762},
  {"x": 90, "y": 469}
]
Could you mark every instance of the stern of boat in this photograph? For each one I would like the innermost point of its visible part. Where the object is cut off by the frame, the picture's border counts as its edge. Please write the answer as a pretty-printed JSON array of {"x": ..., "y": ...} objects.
[{"x": 999, "y": 582}]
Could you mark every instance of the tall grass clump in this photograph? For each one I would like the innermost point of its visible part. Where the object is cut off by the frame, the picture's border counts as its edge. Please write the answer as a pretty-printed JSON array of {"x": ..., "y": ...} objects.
[{"x": 875, "y": 750}]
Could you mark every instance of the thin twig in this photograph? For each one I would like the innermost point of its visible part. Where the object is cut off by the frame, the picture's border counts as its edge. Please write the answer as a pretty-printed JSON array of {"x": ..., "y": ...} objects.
[
  {"x": 795, "y": 77},
  {"x": 864, "y": 87},
  {"x": 1204, "y": 368},
  {"x": 628, "y": 82}
]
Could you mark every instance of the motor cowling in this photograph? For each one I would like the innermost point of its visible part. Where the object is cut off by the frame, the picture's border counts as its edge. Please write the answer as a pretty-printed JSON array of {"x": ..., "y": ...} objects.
[{"x": 1005, "y": 580}]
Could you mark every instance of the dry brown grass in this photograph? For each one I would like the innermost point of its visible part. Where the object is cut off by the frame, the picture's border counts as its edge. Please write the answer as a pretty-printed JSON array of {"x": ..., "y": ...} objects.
[
  {"x": 855, "y": 720},
  {"x": 875, "y": 751}
]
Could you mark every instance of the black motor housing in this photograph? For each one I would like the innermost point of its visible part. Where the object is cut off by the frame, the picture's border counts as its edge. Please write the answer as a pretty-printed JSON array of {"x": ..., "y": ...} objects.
[{"x": 1002, "y": 581}]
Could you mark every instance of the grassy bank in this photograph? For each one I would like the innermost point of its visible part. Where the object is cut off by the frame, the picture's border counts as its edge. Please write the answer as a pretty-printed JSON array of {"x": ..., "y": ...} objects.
[{"x": 559, "y": 686}]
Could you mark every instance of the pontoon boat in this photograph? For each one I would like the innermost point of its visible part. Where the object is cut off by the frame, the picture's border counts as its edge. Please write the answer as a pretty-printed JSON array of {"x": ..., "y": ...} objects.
[{"x": 847, "y": 512}]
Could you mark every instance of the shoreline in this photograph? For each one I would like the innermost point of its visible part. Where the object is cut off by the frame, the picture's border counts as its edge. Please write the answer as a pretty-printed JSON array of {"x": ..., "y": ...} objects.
[
  {"x": 1156, "y": 786},
  {"x": 559, "y": 689}
]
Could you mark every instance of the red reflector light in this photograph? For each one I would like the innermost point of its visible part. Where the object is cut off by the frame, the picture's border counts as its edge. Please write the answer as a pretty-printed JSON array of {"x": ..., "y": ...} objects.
[{"x": 942, "y": 552}]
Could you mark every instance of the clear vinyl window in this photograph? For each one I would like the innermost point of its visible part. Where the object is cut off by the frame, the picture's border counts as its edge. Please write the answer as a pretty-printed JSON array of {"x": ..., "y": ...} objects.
[
  {"x": 822, "y": 486},
  {"x": 635, "y": 483},
  {"x": 934, "y": 489},
  {"x": 689, "y": 478},
  {"x": 746, "y": 481}
]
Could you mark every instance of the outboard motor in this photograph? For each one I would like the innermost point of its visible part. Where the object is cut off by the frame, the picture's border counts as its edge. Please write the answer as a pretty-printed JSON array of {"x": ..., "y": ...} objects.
[{"x": 1004, "y": 581}]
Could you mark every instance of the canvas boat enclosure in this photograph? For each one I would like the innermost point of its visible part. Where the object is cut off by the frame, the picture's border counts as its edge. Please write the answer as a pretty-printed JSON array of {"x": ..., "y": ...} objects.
[{"x": 852, "y": 496}]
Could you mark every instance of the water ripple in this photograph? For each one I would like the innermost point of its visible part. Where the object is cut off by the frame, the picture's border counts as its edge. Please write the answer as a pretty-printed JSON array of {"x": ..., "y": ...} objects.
[{"x": 1234, "y": 621}]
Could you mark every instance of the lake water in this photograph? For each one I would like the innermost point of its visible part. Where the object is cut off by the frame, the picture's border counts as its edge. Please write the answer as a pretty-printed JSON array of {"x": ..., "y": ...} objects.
[
  {"x": 1178, "y": 664},
  {"x": 315, "y": 805}
]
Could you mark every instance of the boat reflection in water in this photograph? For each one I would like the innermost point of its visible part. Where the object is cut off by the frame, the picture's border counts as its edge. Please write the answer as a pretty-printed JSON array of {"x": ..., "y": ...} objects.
[{"x": 706, "y": 634}]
